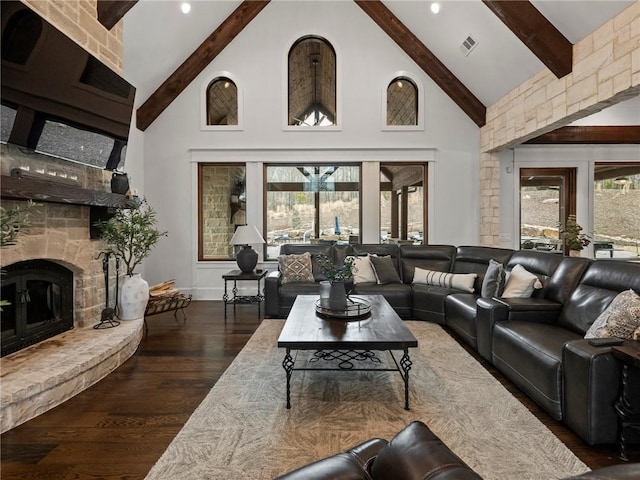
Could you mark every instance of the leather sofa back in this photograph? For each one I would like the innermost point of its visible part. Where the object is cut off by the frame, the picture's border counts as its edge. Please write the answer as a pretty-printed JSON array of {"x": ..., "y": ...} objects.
[
  {"x": 428, "y": 257},
  {"x": 476, "y": 260},
  {"x": 601, "y": 282},
  {"x": 541, "y": 264}
]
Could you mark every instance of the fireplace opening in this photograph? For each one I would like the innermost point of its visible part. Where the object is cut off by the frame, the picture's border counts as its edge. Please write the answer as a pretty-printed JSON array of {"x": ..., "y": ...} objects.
[{"x": 37, "y": 303}]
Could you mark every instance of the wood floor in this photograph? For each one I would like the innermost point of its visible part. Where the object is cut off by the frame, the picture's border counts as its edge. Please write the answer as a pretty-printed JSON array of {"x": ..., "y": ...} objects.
[{"x": 118, "y": 428}]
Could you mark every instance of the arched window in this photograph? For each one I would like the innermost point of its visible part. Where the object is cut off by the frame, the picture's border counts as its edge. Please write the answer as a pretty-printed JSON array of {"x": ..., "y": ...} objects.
[
  {"x": 222, "y": 102},
  {"x": 312, "y": 83},
  {"x": 402, "y": 102}
]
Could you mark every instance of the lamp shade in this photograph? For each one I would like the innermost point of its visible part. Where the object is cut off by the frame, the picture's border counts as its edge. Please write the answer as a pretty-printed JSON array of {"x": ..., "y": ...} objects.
[{"x": 246, "y": 235}]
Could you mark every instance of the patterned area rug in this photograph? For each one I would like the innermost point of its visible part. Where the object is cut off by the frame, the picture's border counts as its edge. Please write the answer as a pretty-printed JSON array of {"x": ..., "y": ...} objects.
[{"x": 242, "y": 429}]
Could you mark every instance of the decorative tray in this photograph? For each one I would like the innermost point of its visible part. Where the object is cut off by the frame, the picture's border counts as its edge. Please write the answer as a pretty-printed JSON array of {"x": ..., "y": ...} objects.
[{"x": 356, "y": 309}]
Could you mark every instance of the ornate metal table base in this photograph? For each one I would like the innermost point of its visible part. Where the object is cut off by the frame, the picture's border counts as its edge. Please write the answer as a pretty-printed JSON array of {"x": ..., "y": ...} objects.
[{"x": 346, "y": 359}]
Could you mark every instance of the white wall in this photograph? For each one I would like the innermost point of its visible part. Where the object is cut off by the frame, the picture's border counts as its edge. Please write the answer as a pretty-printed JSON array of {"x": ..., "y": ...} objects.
[{"x": 366, "y": 58}]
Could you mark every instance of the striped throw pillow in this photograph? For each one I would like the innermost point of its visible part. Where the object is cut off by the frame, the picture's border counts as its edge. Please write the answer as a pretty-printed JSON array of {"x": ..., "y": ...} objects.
[{"x": 459, "y": 281}]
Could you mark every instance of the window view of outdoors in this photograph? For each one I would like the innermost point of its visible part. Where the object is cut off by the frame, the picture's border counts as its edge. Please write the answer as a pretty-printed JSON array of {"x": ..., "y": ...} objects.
[
  {"x": 402, "y": 203},
  {"x": 310, "y": 204},
  {"x": 540, "y": 214},
  {"x": 616, "y": 210}
]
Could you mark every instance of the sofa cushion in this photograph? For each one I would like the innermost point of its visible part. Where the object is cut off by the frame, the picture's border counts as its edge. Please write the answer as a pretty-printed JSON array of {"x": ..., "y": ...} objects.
[
  {"x": 296, "y": 268},
  {"x": 620, "y": 319},
  {"x": 520, "y": 283},
  {"x": 493, "y": 282},
  {"x": 459, "y": 281},
  {"x": 362, "y": 270},
  {"x": 384, "y": 270},
  {"x": 461, "y": 312}
]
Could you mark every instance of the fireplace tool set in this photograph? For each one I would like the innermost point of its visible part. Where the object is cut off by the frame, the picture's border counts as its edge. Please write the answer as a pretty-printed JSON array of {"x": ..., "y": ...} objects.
[{"x": 108, "y": 313}]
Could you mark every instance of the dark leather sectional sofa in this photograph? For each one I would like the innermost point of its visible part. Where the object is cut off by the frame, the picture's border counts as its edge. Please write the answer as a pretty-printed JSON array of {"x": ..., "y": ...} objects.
[
  {"x": 537, "y": 342},
  {"x": 416, "y": 453}
]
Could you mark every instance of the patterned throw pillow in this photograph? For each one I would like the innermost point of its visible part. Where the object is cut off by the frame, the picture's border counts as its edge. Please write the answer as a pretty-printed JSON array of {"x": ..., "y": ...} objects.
[
  {"x": 459, "y": 281},
  {"x": 296, "y": 268},
  {"x": 621, "y": 318}
]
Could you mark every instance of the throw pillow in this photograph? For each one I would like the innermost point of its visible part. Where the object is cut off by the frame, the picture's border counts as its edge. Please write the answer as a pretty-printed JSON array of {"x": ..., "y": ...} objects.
[
  {"x": 384, "y": 270},
  {"x": 363, "y": 271},
  {"x": 520, "y": 283},
  {"x": 493, "y": 281},
  {"x": 620, "y": 319},
  {"x": 296, "y": 268},
  {"x": 459, "y": 281}
]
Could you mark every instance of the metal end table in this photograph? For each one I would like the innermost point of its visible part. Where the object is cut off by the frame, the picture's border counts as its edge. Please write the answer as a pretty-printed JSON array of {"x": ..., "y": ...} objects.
[{"x": 236, "y": 276}]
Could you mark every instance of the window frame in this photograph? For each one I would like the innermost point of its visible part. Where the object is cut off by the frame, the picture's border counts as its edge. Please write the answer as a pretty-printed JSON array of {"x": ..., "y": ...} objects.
[
  {"x": 204, "y": 89},
  {"x": 402, "y": 74}
]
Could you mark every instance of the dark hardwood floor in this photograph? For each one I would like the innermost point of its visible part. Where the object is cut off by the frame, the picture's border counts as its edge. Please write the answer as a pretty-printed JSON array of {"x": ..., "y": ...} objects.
[{"x": 118, "y": 428}]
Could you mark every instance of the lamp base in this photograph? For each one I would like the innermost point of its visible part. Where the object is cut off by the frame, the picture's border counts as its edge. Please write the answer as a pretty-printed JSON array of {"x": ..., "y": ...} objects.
[{"x": 247, "y": 259}]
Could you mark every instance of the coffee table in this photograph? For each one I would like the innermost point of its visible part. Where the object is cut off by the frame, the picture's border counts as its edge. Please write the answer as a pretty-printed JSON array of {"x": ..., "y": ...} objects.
[{"x": 346, "y": 342}]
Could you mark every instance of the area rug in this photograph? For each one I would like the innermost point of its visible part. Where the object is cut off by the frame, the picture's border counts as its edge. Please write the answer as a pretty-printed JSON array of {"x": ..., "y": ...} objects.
[{"x": 243, "y": 430}]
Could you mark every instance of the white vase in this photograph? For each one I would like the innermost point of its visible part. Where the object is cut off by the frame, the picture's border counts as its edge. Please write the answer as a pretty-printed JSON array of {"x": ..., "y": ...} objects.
[{"x": 133, "y": 297}]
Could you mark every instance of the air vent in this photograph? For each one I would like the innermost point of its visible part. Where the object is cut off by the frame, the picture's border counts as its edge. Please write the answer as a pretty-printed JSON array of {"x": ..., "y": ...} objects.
[{"x": 469, "y": 44}]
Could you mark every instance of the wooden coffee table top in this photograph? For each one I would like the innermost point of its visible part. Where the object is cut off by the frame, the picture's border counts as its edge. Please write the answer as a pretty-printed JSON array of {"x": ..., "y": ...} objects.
[{"x": 383, "y": 330}]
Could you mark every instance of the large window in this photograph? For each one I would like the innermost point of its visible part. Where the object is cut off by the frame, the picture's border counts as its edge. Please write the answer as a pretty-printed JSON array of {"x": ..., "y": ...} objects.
[
  {"x": 616, "y": 207},
  {"x": 221, "y": 208},
  {"x": 402, "y": 203},
  {"x": 311, "y": 204},
  {"x": 312, "y": 83}
]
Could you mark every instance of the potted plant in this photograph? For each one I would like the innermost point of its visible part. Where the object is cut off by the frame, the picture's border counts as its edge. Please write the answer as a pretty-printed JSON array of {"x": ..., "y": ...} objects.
[
  {"x": 130, "y": 235},
  {"x": 336, "y": 275},
  {"x": 572, "y": 236}
]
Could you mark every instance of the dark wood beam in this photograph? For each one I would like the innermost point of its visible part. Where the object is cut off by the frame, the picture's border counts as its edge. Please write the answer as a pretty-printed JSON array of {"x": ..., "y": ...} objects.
[
  {"x": 590, "y": 135},
  {"x": 111, "y": 12},
  {"x": 536, "y": 32},
  {"x": 425, "y": 59},
  {"x": 197, "y": 61}
]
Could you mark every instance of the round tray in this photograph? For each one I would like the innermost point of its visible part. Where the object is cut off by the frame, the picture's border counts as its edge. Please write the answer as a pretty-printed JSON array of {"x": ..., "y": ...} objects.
[{"x": 357, "y": 309}]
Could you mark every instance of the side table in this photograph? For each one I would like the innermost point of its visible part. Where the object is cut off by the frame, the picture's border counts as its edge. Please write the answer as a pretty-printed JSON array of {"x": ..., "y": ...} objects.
[
  {"x": 629, "y": 356},
  {"x": 236, "y": 276}
]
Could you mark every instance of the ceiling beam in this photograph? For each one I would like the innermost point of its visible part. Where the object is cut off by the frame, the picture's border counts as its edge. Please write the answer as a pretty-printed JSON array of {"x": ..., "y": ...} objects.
[
  {"x": 590, "y": 135},
  {"x": 197, "y": 61},
  {"x": 111, "y": 12},
  {"x": 536, "y": 32},
  {"x": 425, "y": 59}
]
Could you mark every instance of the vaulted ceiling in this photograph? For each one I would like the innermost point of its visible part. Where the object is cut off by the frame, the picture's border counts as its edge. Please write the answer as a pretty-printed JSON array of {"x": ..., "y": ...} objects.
[{"x": 515, "y": 40}]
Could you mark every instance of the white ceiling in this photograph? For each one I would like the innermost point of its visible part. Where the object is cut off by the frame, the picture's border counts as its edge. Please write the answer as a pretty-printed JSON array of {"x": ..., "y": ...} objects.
[{"x": 158, "y": 38}]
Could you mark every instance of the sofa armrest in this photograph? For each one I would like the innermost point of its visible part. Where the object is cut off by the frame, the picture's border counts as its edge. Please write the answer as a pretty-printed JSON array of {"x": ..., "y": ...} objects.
[
  {"x": 350, "y": 465},
  {"x": 271, "y": 294},
  {"x": 489, "y": 311},
  {"x": 591, "y": 378},
  {"x": 532, "y": 309}
]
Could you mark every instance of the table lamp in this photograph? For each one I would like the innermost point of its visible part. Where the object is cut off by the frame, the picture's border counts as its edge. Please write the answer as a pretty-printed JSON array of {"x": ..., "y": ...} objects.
[{"x": 246, "y": 235}]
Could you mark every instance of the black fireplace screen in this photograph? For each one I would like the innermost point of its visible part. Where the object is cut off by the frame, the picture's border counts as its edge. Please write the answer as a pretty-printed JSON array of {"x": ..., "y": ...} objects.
[{"x": 37, "y": 303}]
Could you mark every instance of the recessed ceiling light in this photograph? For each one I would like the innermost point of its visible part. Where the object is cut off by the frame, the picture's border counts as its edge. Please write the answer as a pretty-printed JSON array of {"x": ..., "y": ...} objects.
[
  {"x": 185, "y": 7},
  {"x": 435, "y": 7}
]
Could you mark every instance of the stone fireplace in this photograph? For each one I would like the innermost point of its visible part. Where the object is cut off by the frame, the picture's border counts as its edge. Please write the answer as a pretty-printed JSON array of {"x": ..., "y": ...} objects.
[{"x": 60, "y": 237}]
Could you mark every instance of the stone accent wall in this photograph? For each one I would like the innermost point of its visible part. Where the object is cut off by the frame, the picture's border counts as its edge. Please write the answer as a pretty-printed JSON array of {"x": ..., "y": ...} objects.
[
  {"x": 79, "y": 20},
  {"x": 606, "y": 71},
  {"x": 218, "y": 221}
]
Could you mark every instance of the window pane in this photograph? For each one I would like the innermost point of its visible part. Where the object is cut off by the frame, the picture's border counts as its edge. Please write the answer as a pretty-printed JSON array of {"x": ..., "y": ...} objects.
[
  {"x": 222, "y": 208},
  {"x": 312, "y": 83},
  {"x": 222, "y": 102},
  {"x": 541, "y": 213},
  {"x": 402, "y": 102},
  {"x": 616, "y": 203},
  {"x": 402, "y": 203},
  {"x": 311, "y": 203}
]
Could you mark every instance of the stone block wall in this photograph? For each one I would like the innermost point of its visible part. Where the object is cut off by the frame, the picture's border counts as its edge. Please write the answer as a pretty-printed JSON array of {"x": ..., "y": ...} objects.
[
  {"x": 79, "y": 20},
  {"x": 606, "y": 71}
]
